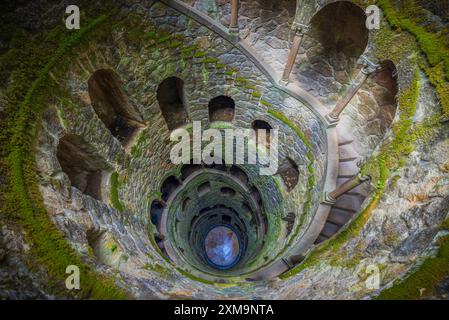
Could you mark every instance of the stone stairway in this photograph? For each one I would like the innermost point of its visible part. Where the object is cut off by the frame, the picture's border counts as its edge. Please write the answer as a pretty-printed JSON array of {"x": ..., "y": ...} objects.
[
  {"x": 349, "y": 203},
  {"x": 347, "y": 166}
]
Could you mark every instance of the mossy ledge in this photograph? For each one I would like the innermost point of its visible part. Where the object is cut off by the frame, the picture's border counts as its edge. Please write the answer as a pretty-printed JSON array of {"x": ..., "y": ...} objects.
[
  {"x": 311, "y": 173},
  {"x": 23, "y": 203},
  {"x": 433, "y": 45},
  {"x": 115, "y": 200},
  {"x": 420, "y": 283},
  {"x": 378, "y": 168}
]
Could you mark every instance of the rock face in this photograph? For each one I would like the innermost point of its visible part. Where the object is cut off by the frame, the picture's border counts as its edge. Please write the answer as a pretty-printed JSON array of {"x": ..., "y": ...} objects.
[{"x": 106, "y": 180}]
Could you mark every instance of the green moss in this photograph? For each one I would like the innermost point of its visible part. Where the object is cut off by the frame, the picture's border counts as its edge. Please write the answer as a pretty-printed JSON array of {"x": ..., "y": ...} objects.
[
  {"x": 199, "y": 54},
  {"x": 175, "y": 44},
  {"x": 194, "y": 278},
  {"x": 114, "y": 194},
  {"x": 379, "y": 167},
  {"x": 23, "y": 205},
  {"x": 189, "y": 49},
  {"x": 421, "y": 282},
  {"x": 230, "y": 72},
  {"x": 241, "y": 80},
  {"x": 433, "y": 45},
  {"x": 310, "y": 179},
  {"x": 256, "y": 94},
  {"x": 289, "y": 123},
  {"x": 266, "y": 103},
  {"x": 150, "y": 35},
  {"x": 220, "y": 65},
  {"x": 163, "y": 39},
  {"x": 163, "y": 271},
  {"x": 210, "y": 60}
]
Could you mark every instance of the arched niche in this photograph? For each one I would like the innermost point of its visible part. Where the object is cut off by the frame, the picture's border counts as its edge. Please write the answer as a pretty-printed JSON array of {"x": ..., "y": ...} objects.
[
  {"x": 336, "y": 39},
  {"x": 112, "y": 105},
  {"x": 373, "y": 109},
  {"x": 221, "y": 108},
  {"x": 156, "y": 211},
  {"x": 385, "y": 90},
  {"x": 204, "y": 188},
  {"x": 168, "y": 186},
  {"x": 262, "y": 125},
  {"x": 170, "y": 95},
  {"x": 340, "y": 27},
  {"x": 239, "y": 174},
  {"x": 288, "y": 170},
  {"x": 84, "y": 167}
]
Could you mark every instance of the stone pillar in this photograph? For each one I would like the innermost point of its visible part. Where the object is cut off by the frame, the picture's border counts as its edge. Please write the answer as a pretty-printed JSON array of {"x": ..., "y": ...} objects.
[
  {"x": 300, "y": 30},
  {"x": 368, "y": 68},
  {"x": 331, "y": 197},
  {"x": 234, "y": 25}
]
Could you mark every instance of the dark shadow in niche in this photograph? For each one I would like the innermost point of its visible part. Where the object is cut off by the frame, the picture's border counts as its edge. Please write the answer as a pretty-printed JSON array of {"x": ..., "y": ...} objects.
[
  {"x": 84, "y": 167},
  {"x": 288, "y": 170},
  {"x": 290, "y": 219},
  {"x": 112, "y": 106},
  {"x": 247, "y": 209},
  {"x": 189, "y": 169},
  {"x": 185, "y": 204},
  {"x": 204, "y": 188},
  {"x": 221, "y": 108},
  {"x": 170, "y": 95},
  {"x": 340, "y": 26},
  {"x": 225, "y": 218},
  {"x": 168, "y": 186},
  {"x": 159, "y": 239},
  {"x": 255, "y": 194},
  {"x": 94, "y": 237},
  {"x": 227, "y": 191},
  {"x": 337, "y": 38},
  {"x": 239, "y": 174},
  {"x": 262, "y": 125},
  {"x": 384, "y": 92},
  {"x": 156, "y": 211}
]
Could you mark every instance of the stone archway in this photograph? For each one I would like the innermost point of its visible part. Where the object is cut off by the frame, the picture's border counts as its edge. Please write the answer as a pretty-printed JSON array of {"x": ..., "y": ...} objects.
[
  {"x": 85, "y": 169},
  {"x": 112, "y": 105},
  {"x": 170, "y": 95}
]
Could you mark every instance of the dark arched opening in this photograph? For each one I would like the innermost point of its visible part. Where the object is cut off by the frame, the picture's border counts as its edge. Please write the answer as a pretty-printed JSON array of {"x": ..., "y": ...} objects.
[
  {"x": 288, "y": 170},
  {"x": 265, "y": 126},
  {"x": 221, "y": 108},
  {"x": 112, "y": 105},
  {"x": 82, "y": 165},
  {"x": 170, "y": 95},
  {"x": 168, "y": 186}
]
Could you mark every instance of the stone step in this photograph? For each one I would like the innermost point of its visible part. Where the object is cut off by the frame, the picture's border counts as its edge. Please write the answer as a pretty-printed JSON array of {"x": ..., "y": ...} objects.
[
  {"x": 329, "y": 229},
  {"x": 349, "y": 202},
  {"x": 344, "y": 137},
  {"x": 320, "y": 239},
  {"x": 340, "y": 216},
  {"x": 347, "y": 153},
  {"x": 348, "y": 169},
  {"x": 359, "y": 190}
]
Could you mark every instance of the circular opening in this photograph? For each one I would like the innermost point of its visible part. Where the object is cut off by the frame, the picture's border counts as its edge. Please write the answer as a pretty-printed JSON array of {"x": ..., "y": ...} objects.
[{"x": 222, "y": 247}]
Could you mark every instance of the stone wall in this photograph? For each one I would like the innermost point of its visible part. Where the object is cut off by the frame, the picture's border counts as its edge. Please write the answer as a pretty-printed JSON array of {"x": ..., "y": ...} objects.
[{"x": 396, "y": 235}]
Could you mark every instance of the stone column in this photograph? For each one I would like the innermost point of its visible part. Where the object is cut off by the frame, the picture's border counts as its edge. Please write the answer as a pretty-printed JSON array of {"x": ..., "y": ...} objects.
[
  {"x": 234, "y": 25},
  {"x": 368, "y": 68},
  {"x": 300, "y": 30},
  {"x": 331, "y": 197}
]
